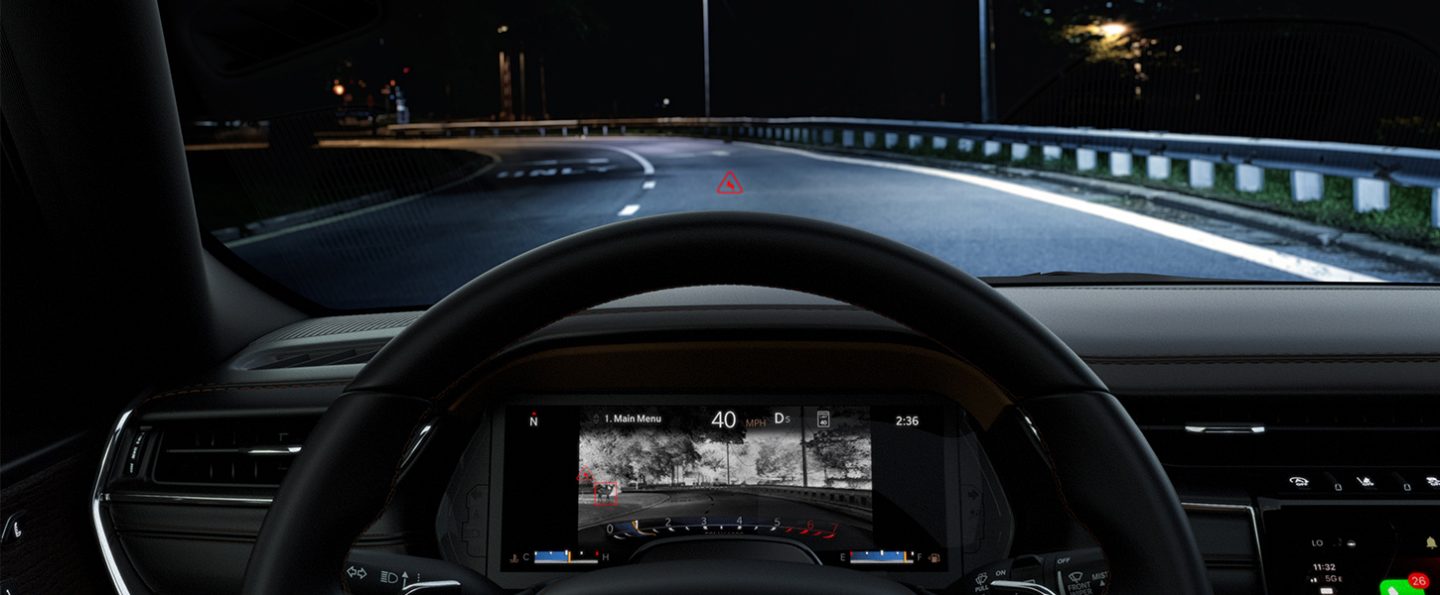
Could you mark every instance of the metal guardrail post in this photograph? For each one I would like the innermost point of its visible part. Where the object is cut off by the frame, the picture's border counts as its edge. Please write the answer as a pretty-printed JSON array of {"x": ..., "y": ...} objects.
[
  {"x": 1435, "y": 208},
  {"x": 1120, "y": 164},
  {"x": 1306, "y": 186},
  {"x": 1202, "y": 174},
  {"x": 1157, "y": 167},
  {"x": 1371, "y": 195},
  {"x": 1249, "y": 178}
]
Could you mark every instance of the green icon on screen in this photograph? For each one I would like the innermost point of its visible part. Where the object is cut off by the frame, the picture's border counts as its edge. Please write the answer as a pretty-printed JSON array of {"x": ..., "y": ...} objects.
[{"x": 1398, "y": 586}]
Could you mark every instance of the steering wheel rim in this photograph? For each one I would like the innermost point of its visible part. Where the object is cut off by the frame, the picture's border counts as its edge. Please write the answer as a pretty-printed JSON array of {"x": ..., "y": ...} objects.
[{"x": 349, "y": 468}]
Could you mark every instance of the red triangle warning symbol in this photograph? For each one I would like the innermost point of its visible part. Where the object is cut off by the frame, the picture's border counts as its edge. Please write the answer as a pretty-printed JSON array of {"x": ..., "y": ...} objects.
[{"x": 729, "y": 184}]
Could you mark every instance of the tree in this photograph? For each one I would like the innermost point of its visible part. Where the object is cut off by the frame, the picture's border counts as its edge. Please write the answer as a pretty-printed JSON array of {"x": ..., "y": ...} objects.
[
  {"x": 777, "y": 462},
  {"x": 842, "y": 451}
]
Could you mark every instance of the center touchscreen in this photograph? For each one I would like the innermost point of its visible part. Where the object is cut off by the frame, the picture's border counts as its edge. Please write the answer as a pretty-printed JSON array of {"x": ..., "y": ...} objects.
[{"x": 588, "y": 486}]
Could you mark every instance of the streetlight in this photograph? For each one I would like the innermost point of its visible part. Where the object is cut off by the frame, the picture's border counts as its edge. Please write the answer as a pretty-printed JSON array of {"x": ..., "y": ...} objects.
[
  {"x": 502, "y": 28},
  {"x": 1114, "y": 29},
  {"x": 705, "y": 27},
  {"x": 338, "y": 89},
  {"x": 987, "y": 74}
]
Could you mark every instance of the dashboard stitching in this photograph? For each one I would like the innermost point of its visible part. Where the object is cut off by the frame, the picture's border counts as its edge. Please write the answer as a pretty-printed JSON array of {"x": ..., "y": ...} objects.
[
  {"x": 736, "y": 308},
  {"x": 211, "y": 388},
  {"x": 1361, "y": 287},
  {"x": 1266, "y": 360}
]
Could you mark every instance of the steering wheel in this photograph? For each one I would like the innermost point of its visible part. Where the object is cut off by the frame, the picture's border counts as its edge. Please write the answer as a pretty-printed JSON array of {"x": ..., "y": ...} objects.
[{"x": 1108, "y": 475}]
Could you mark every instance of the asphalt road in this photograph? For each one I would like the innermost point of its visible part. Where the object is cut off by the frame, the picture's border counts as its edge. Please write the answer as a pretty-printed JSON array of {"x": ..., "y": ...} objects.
[{"x": 417, "y": 251}]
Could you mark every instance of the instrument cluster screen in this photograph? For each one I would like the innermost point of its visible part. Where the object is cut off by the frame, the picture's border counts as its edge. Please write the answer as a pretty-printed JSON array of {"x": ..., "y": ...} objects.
[{"x": 859, "y": 485}]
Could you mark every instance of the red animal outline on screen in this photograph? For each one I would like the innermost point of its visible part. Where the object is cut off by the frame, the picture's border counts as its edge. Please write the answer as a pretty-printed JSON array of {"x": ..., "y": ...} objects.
[{"x": 730, "y": 184}]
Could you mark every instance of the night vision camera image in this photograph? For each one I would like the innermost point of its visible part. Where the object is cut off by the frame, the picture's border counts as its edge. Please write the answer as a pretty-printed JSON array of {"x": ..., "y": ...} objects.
[{"x": 653, "y": 471}]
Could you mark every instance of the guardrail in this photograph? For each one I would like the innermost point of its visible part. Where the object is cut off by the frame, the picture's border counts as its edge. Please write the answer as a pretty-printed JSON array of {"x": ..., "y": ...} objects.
[
  {"x": 856, "y": 503},
  {"x": 1373, "y": 168}
]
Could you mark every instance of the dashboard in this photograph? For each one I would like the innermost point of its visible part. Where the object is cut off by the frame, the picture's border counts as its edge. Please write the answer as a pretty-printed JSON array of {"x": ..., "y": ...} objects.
[{"x": 748, "y": 423}]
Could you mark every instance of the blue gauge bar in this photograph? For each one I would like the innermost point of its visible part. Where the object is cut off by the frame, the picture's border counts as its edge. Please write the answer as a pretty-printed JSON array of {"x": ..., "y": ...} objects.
[
  {"x": 880, "y": 557},
  {"x": 559, "y": 557}
]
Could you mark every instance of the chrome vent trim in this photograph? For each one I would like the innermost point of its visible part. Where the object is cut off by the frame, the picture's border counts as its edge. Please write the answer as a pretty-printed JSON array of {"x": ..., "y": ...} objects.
[{"x": 111, "y": 563}]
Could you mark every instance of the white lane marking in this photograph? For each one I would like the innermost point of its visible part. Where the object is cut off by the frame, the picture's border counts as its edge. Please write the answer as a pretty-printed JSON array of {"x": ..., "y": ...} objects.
[
  {"x": 1280, "y": 261},
  {"x": 629, "y": 210},
  {"x": 644, "y": 163},
  {"x": 648, "y": 185},
  {"x": 599, "y": 161},
  {"x": 365, "y": 211},
  {"x": 720, "y": 153}
]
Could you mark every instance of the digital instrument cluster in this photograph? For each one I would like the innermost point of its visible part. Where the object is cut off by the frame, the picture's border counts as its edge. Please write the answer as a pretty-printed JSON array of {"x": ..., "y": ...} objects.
[{"x": 865, "y": 485}]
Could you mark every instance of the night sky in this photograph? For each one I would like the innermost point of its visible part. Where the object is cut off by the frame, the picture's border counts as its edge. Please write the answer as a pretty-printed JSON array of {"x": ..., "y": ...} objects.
[{"x": 1365, "y": 72}]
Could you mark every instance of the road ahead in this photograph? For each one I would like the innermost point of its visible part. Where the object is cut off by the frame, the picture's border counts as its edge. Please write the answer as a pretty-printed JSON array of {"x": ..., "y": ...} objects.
[{"x": 417, "y": 251}]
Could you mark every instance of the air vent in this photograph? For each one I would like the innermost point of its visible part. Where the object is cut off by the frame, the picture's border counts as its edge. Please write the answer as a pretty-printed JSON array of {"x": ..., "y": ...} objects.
[
  {"x": 341, "y": 325},
  {"x": 1279, "y": 431},
  {"x": 254, "y": 452},
  {"x": 310, "y": 359}
]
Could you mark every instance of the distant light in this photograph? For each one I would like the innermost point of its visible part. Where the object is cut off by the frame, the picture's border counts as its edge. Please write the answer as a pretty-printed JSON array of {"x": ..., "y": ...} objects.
[
  {"x": 405, "y": 70},
  {"x": 665, "y": 101},
  {"x": 502, "y": 28},
  {"x": 338, "y": 89},
  {"x": 1114, "y": 29}
]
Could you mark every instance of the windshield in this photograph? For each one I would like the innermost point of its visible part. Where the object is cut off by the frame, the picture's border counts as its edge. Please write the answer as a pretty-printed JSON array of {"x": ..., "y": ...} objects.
[{"x": 375, "y": 155}]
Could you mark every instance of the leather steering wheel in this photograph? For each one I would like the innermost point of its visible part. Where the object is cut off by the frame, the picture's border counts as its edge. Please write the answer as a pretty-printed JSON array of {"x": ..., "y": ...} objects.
[{"x": 1105, "y": 470}]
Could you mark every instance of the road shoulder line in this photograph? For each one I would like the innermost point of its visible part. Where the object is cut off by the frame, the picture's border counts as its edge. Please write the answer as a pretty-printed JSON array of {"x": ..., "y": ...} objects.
[
  {"x": 1288, "y": 263},
  {"x": 1311, "y": 233}
]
